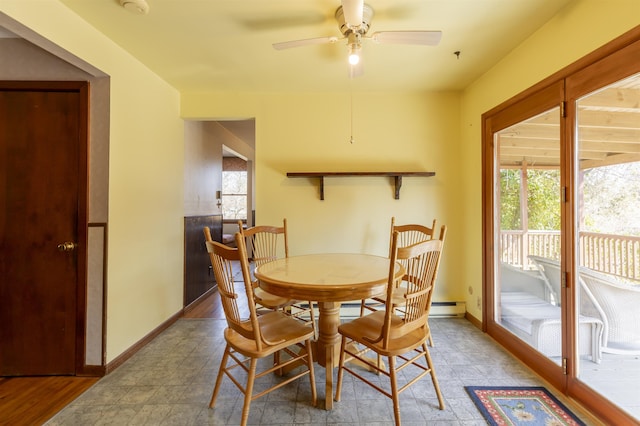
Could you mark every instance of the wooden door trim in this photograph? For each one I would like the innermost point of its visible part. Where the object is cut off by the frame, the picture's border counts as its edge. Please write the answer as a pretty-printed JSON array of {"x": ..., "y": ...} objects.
[{"x": 83, "y": 186}]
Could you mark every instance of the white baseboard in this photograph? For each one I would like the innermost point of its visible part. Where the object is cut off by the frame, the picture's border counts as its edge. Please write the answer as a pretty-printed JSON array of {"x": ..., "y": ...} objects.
[
  {"x": 438, "y": 310},
  {"x": 448, "y": 309}
]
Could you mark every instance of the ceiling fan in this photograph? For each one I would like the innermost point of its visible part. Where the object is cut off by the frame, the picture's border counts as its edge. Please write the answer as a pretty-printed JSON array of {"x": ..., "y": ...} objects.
[{"x": 354, "y": 19}]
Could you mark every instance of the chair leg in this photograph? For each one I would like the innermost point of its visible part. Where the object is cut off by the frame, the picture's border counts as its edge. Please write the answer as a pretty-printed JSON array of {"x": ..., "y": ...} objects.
[
  {"x": 312, "y": 316},
  {"x": 223, "y": 366},
  {"x": 434, "y": 379},
  {"x": 362, "y": 307},
  {"x": 431, "y": 341},
  {"x": 249, "y": 391},
  {"x": 276, "y": 361},
  {"x": 312, "y": 377},
  {"x": 340, "y": 368},
  {"x": 394, "y": 389}
]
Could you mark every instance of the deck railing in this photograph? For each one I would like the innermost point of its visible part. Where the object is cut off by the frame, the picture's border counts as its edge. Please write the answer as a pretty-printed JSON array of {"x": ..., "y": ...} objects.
[{"x": 612, "y": 254}]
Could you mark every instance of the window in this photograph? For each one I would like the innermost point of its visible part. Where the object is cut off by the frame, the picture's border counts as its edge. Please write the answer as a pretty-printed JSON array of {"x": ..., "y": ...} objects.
[{"x": 234, "y": 189}]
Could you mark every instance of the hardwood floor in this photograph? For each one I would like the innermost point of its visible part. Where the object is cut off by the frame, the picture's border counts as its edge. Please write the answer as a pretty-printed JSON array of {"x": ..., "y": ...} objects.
[
  {"x": 34, "y": 400},
  {"x": 209, "y": 307}
]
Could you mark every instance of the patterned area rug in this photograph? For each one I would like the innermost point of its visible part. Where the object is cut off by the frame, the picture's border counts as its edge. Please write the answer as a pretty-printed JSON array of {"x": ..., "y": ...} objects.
[{"x": 532, "y": 406}]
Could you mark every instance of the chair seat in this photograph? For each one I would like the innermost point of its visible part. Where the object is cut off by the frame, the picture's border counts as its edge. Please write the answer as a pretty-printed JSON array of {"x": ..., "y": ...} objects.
[
  {"x": 369, "y": 326},
  {"x": 398, "y": 296},
  {"x": 276, "y": 326},
  {"x": 270, "y": 301}
]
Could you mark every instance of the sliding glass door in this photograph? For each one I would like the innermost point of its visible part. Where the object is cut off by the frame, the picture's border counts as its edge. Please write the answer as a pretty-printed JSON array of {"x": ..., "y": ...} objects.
[{"x": 561, "y": 199}]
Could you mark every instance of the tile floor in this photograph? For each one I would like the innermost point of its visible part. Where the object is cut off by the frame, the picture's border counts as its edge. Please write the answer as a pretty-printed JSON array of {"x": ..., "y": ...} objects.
[{"x": 169, "y": 382}]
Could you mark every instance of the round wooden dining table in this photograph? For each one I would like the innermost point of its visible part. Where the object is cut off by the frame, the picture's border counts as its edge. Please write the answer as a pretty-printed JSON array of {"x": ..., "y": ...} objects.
[{"x": 328, "y": 279}]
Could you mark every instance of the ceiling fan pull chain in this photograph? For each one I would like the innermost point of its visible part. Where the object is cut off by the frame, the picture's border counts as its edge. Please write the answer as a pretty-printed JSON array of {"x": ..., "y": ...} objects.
[{"x": 351, "y": 94}]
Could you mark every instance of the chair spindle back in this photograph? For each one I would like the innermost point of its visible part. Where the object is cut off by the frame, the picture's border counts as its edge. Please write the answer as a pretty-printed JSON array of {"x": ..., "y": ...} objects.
[
  {"x": 262, "y": 242},
  {"x": 223, "y": 259},
  {"x": 421, "y": 261}
]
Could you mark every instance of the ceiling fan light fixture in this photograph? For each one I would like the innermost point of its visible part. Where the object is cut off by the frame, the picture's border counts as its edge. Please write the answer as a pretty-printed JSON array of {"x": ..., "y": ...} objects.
[
  {"x": 354, "y": 54},
  {"x": 354, "y": 44}
]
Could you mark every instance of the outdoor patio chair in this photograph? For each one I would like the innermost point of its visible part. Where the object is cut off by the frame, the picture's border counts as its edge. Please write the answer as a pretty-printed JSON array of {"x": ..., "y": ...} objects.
[
  {"x": 538, "y": 320},
  {"x": 549, "y": 270},
  {"x": 617, "y": 304}
]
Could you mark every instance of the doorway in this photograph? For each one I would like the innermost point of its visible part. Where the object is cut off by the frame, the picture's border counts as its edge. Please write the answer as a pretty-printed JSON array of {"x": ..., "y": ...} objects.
[
  {"x": 43, "y": 170},
  {"x": 237, "y": 196}
]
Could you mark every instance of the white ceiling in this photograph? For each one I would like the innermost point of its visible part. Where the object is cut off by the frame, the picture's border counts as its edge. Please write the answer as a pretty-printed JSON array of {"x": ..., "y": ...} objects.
[{"x": 226, "y": 45}]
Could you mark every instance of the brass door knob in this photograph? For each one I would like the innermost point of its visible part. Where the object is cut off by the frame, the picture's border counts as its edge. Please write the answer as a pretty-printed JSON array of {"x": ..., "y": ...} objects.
[{"x": 67, "y": 246}]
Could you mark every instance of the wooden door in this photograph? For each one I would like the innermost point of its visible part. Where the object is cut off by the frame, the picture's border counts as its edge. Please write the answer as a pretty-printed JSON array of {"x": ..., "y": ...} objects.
[{"x": 42, "y": 191}]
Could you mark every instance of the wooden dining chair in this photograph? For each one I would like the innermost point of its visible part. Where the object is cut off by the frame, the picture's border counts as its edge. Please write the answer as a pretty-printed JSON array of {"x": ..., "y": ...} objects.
[
  {"x": 398, "y": 335},
  {"x": 408, "y": 234},
  {"x": 252, "y": 337},
  {"x": 262, "y": 244}
]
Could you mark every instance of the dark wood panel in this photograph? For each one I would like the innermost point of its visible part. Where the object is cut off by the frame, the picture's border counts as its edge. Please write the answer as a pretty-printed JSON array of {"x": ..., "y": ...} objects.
[{"x": 198, "y": 276}]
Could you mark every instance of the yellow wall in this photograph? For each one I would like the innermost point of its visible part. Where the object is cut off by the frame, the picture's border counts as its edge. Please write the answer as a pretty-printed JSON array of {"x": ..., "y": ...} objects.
[
  {"x": 145, "y": 248},
  {"x": 580, "y": 28},
  {"x": 392, "y": 132}
]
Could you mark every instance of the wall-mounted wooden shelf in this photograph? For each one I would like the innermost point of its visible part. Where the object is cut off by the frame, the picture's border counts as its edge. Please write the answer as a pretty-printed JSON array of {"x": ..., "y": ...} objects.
[{"x": 397, "y": 176}]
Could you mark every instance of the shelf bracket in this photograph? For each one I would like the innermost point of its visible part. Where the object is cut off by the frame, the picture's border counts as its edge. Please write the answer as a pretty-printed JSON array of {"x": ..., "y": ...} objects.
[
  {"x": 398, "y": 180},
  {"x": 322, "y": 188}
]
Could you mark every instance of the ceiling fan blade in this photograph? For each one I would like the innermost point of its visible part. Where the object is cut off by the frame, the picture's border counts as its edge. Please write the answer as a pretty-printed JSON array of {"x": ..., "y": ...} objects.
[
  {"x": 304, "y": 42},
  {"x": 279, "y": 22},
  {"x": 426, "y": 38},
  {"x": 353, "y": 10}
]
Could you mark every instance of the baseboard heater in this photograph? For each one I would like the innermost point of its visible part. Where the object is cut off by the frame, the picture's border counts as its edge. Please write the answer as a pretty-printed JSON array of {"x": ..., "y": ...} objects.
[{"x": 438, "y": 310}]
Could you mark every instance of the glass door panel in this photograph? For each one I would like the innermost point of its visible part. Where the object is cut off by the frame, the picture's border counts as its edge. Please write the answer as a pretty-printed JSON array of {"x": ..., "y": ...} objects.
[
  {"x": 608, "y": 241},
  {"x": 527, "y": 287}
]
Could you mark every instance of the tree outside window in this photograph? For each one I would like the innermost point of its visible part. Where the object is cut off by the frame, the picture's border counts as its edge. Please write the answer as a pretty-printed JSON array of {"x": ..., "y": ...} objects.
[{"x": 543, "y": 199}]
